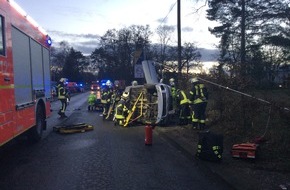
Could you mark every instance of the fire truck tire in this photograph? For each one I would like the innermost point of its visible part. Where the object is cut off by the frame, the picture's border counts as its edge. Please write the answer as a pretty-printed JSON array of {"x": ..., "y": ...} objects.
[{"x": 35, "y": 133}]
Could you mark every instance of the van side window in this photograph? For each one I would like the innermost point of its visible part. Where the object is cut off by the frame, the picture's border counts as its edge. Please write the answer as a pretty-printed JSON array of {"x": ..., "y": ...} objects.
[{"x": 2, "y": 36}]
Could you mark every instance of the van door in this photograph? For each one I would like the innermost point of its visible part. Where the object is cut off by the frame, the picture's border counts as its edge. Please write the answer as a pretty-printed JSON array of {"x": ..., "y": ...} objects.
[{"x": 150, "y": 72}]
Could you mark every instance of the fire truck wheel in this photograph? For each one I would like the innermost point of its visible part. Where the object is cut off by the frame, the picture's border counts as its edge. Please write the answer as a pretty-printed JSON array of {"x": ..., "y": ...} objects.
[{"x": 35, "y": 133}]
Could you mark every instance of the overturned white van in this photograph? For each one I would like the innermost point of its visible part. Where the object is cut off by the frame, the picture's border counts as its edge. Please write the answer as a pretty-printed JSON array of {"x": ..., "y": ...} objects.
[{"x": 151, "y": 102}]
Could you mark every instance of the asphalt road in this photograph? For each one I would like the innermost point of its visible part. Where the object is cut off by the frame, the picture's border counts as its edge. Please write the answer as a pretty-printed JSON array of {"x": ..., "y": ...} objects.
[{"x": 108, "y": 157}]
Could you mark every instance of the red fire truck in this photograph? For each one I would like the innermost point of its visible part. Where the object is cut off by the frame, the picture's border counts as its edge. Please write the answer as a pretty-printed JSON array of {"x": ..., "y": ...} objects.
[{"x": 24, "y": 74}]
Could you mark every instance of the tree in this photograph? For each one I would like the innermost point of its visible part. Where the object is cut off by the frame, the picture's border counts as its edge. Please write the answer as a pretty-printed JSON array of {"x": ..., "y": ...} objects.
[
  {"x": 190, "y": 57},
  {"x": 114, "y": 53},
  {"x": 58, "y": 56},
  {"x": 67, "y": 63},
  {"x": 74, "y": 65},
  {"x": 246, "y": 26},
  {"x": 164, "y": 32}
]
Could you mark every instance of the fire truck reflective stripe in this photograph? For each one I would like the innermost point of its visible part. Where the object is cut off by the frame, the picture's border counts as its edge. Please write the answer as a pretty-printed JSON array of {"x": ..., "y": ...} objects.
[
  {"x": 6, "y": 86},
  {"x": 21, "y": 86}
]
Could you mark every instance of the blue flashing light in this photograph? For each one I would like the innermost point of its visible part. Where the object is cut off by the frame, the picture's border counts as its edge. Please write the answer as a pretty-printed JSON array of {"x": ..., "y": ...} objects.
[{"x": 48, "y": 40}]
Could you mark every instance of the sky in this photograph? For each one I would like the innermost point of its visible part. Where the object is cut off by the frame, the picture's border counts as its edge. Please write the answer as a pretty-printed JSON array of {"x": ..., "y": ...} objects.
[{"x": 82, "y": 22}]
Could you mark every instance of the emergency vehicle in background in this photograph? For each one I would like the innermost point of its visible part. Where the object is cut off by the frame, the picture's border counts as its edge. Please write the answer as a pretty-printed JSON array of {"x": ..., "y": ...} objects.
[
  {"x": 96, "y": 89},
  {"x": 24, "y": 74}
]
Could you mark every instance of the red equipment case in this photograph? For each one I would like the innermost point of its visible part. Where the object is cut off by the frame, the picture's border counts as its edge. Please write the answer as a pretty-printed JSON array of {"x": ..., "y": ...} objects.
[{"x": 244, "y": 150}]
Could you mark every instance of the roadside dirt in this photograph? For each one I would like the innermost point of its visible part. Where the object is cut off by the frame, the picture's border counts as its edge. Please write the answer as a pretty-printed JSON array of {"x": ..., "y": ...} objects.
[{"x": 261, "y": 173}]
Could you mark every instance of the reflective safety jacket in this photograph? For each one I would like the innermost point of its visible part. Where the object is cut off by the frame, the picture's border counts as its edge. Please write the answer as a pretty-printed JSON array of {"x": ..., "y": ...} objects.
[
  {"x": 173, "y": 92},
  {"x": 62, "y": 92},
  {"x": 115, "y": 96},
  {"x": 92, "y": 99},
  {"x": 121, "y": 110},
  {"x": 198, "y": 94},
  {"x": 181, "y": 97},
  {"x": 106, "y": 96}
]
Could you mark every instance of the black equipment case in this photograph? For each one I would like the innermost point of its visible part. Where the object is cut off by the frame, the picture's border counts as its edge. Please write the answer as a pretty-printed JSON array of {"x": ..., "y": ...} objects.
[{"x": 210, "y": 146}]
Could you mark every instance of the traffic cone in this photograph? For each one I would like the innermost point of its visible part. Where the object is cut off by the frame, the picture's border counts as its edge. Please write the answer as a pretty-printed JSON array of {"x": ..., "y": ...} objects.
[{"x": 148, "y": 135}]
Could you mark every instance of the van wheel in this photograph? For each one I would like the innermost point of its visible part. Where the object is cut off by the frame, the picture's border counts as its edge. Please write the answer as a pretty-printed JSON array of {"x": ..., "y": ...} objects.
[{"x": 35, "y": 133}]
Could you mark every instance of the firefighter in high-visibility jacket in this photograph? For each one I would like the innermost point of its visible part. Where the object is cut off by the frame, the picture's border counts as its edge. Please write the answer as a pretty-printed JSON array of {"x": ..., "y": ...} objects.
[
  {"x": 184, "y": 109},
  {"x": 173, "y": 93},
  {"x": 92, "y": 101},
  {"x": 62, "y": 95},
  {"x": 121, "y": 110},
  {"x": 198, "y": 101},
  {"x": 106, "y": 97}
]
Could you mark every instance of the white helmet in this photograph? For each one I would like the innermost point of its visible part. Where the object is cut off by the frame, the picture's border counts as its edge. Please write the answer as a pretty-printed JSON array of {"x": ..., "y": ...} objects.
[
  {"x": 193, "y": 80},
  {"x": 134, "y": 83},
  {"x": 62, "y": 80},
  {"x": 108, "y": 83},
  {"x": 171, "y": 82}
]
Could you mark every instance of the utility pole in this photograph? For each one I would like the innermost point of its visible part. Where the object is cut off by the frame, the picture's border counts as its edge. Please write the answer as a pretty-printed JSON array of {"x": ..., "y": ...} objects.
[
  {"x": 243, "y": 39},
  {"x": 179, "y": 39}
]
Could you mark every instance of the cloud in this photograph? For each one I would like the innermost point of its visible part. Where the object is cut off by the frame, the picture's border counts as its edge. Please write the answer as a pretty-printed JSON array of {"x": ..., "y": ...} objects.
[
  {"x": 85, "y": 43},
  {"x": 187, "y": 29},
  {"x": 61, "y": 35},
  {"x": 84, "y": 48}
]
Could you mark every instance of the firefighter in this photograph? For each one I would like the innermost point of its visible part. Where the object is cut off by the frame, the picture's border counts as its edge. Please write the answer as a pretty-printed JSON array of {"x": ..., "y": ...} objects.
[
  {"x": 121, "y": 110},
  {"x": 62, "y": 95},
  {"x": 117, "y": 93},
  {"x": 106, "y": 98},
  {"x": 184, "y": 109},
  {"x": 173, "y": 92},
  {"x": 198, "y": 101},
  {"x": 115, "y": 98},
  {"x": 92, "y": 101}
]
